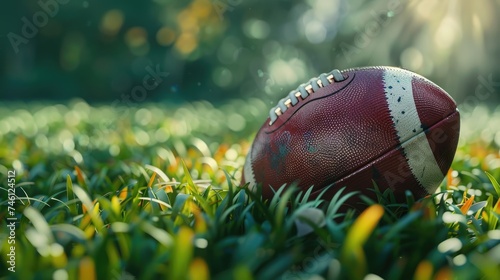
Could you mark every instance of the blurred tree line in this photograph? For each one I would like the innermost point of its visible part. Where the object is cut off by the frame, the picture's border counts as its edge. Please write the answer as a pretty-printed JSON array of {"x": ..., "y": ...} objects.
[{"x": 146, "y": 51}]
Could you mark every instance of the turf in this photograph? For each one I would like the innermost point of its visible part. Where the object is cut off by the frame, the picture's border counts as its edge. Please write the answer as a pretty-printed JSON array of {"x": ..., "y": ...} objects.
[{"x": 153, "y": 193}]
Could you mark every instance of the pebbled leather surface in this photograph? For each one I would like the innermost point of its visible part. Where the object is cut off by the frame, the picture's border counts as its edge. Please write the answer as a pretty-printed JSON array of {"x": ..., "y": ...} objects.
[
  {"x": 391, "y": 170},
  {"x": 344, "y": 135}
]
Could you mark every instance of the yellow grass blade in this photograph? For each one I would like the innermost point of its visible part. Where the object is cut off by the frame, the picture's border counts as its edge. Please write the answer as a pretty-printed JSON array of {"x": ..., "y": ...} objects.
[
  {"x": 363, "y": 227},
  {"x": 151, "y": 180},
  {"x": 424, "y": 271},
  {"x": 352, "y": 252},
  {"x": 198, "y": 270},
  {"x": 87, "y": 269},
  {"x": 80, "y": 178},
  {"x": 182, "y": 252},
  {"x": 468, "y": 203}
]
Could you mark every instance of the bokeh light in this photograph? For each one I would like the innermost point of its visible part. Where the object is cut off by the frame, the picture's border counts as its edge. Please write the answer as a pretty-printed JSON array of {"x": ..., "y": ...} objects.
[{"x": 111, "y": 22}]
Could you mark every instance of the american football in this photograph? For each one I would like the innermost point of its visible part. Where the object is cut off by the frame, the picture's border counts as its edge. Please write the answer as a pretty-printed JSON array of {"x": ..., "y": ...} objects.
[{"x": 356, "y": 128}]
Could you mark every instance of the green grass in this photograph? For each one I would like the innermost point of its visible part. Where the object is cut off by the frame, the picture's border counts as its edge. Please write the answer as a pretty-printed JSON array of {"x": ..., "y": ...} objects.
[{"x": 153, "y": 193}]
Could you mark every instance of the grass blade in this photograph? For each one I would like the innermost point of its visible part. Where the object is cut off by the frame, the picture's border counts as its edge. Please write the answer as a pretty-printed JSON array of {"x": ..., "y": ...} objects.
[
  {"x": 73, "y": 210},
  {"x": 494, "y": 182}
]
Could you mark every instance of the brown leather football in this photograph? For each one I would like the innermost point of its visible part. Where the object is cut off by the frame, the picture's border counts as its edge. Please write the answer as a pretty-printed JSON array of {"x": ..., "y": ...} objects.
[{"x": 355, "y": 127}]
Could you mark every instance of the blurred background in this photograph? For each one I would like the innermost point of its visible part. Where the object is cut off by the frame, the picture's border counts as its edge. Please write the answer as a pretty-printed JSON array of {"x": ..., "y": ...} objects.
[{"x": 169, "y": 50}]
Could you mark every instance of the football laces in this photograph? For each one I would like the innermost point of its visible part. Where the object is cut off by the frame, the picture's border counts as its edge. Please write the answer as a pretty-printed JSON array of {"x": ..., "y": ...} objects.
[{"x": 303, "y": 91}]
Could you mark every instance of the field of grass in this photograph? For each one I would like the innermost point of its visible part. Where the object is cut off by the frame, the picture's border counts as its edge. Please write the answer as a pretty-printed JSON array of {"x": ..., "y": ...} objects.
[{"x": 153, "y": 193}]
